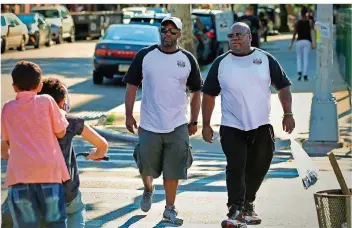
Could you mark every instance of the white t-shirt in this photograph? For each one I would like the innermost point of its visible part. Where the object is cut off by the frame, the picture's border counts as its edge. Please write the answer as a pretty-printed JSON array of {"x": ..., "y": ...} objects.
[
  {"x": 244, "y": 83},
  {"x": 165, "y": 78}
]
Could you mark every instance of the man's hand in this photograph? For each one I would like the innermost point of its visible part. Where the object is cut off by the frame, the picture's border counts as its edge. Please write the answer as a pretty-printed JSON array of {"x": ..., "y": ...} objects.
[
  {"x": 130, "y": 123},
  {"x": 208, "y": 133},
  {"x": 312, "y": 45},
  {"x": 288, "y": 124},
  {"x": 192, "y": 129}
]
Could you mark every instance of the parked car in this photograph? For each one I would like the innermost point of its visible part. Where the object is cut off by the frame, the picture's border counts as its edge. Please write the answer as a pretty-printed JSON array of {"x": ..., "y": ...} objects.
[
  {"x": 156, "y": 10},
  {"x": 135, "y": 10},
  {"x": 60, "y": 20},
  {"x": 148, "y": 19},
  {"x": 14, "y": 34},
  {"x": 114, "y": 52},
  {"x": 38, "y": 30},
  {"x": 207, "y": 17}
]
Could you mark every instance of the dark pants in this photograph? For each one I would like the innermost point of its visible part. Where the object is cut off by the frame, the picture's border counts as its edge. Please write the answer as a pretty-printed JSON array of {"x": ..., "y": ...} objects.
[
  {"x": 255, "y": 41},
  {"x": 248, "y": 154}
]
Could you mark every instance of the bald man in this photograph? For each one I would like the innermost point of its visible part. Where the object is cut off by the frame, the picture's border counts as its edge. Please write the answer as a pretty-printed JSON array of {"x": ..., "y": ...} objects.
[{"x": 244, "y": 75}]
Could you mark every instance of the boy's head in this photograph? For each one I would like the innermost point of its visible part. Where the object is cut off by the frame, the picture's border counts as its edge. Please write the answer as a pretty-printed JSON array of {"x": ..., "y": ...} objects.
[
  {"x": 57, "y": 90},
  {"x": 26, "y": 76}
]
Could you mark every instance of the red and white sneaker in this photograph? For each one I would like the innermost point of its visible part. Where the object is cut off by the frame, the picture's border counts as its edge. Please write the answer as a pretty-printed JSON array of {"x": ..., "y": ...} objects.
[
  {"x": 235, "y": 219},
  {"x": 249, "y": 215}
]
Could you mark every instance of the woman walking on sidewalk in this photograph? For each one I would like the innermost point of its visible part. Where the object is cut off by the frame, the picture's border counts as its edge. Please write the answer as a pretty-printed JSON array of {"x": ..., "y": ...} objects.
[{"x": 304, "y": 27}]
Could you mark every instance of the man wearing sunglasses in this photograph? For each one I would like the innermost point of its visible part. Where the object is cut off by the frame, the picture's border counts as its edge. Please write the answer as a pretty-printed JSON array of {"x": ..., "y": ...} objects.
[
  {"x": 244, "y": 75},
  {"x": 165, "y": 70}
]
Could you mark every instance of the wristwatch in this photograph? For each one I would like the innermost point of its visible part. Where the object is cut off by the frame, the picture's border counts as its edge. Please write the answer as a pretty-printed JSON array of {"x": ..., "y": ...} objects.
[{"x": 194, "y": 123}]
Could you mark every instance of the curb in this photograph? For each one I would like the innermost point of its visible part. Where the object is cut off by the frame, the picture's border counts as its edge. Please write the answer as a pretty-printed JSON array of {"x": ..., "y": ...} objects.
[{"x": 108, "y": 135}]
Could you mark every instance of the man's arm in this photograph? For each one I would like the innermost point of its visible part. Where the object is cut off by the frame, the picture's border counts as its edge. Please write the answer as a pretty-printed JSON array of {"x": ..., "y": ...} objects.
[
  {"x": 286, "y": 99},
  {"x": 133, "y": 79},
  {"x": 194, "y": 84},
  {"x": 195, "y": 105},
  {"x": 5, "y": 153},
  {"x": 130, "y": 97},
  {"x": 208, "y": 104}
]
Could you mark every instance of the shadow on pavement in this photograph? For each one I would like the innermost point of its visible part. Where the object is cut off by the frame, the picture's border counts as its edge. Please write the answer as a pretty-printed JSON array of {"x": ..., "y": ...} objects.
[
  {"x": 203, "y": 184},
  {"x": 132, "y": 220}
]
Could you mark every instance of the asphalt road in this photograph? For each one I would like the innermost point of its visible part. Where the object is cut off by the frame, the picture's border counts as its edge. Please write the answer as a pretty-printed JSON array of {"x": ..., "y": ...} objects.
[{"x": 71, "y": 63}]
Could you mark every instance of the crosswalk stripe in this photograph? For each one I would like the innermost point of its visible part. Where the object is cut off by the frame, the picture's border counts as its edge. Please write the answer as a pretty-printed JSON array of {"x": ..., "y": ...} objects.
[
  {"x": 198, "y": 153},
  {"x": 135, "y": 170},
  {"x": 213, "y": 162},
  {"x": 135, "y": 192},
  {"x": 194, "y": 156},
  {"x": 156, "y": 181}
]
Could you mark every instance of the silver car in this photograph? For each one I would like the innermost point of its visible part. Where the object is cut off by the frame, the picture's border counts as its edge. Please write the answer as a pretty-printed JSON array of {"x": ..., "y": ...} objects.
[
  {"x": 14, "y": 34},
  {"x": 60, "y": 20}
]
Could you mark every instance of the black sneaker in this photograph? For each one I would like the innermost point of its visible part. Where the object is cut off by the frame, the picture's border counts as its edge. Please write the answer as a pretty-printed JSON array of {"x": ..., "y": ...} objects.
[
  {"x": 147, "y": 199},
  {"x": 305, "y": 78},
  {"x": 235, "y": 219},
  {"x": 249, "y": 215},
  {"x": 170, "y": 215},
  {"x": 299, "y": 76}
]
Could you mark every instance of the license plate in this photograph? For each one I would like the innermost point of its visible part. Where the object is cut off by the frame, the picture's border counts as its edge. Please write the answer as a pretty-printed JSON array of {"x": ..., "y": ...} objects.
[{"x": 124, "y": 67}]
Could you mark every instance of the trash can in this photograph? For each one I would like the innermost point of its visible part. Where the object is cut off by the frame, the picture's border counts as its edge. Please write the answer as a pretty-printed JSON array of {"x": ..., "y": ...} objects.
[{"x": 333, "y": 209}]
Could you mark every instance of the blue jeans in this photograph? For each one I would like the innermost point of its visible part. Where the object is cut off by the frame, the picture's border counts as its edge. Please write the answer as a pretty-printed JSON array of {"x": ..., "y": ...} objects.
[
  {"x": 28, "y": 203},
  {"x": 75, "y": 214}
]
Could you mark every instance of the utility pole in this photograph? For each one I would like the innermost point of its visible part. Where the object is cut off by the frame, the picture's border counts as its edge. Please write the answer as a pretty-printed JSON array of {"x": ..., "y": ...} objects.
[
  {"x": 183, "y": 11},
  {"x": 324, "y": 131}
]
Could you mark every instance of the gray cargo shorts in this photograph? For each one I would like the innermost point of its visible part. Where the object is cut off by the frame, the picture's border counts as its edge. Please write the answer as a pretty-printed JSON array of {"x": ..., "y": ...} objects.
[{"x": 169, "y": 153}]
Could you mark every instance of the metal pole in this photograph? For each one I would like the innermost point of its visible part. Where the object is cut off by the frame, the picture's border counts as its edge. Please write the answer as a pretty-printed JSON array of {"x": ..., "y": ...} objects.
[{"x": 323, "y": 120}]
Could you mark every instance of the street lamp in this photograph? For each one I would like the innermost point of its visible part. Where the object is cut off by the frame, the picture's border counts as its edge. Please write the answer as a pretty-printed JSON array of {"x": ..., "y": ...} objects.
[{"x": 324, "y": 132}]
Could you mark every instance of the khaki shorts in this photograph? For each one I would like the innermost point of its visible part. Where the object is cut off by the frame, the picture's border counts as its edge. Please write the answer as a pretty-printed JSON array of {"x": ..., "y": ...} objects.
[{"x": 169, "y": 153}]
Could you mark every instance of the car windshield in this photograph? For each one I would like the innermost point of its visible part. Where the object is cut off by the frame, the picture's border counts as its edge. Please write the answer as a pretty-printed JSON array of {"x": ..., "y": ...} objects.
[
  {"x": 3, "y": 23},
  {"x": 27, "y": 19},
  {"x": 206, "y": 20},
  {"x": 132, "y": 33},
  {"x": 156, "y": 10},
  {"x": 52, "y": 13},
  {"x": 146, "y": 21}
]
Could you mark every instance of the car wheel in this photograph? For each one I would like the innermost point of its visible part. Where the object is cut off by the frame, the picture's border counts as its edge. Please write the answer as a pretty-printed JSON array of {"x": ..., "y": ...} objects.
[
  {"x": 73, "y": 36},
  {"x": 37, "y": 39},
  {"x": 59, "y": 39},
  {"x": 48, "y": 43},
  {"x": 97, "y": 78},
  {"x": 3, "y": 45},
  {"x": 22, "y": 46}
]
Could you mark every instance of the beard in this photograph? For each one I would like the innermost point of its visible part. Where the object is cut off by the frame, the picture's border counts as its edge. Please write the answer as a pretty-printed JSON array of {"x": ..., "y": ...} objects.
[{"x": 169, "y": 43}]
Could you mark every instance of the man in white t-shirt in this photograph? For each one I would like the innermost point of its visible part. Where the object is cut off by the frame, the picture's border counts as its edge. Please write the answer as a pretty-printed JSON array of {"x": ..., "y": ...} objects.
[
  {"x": 244, "y": 75},
  {"x": 166, "y": 71}
]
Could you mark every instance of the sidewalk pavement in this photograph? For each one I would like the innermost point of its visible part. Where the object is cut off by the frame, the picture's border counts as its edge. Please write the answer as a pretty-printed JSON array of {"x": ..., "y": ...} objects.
[{"x": 302, "y": 93}]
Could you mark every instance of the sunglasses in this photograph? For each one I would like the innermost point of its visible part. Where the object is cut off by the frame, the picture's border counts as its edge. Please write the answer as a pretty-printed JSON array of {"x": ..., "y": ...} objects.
[
  {"x": 173, "y": 31},
  {"x": 237, "y": 35}
]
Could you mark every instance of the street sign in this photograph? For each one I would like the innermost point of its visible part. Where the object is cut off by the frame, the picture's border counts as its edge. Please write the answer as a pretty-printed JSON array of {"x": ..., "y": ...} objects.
[
  {"x": 324, "y": 30},
  {"x": 223, "y": 22}
]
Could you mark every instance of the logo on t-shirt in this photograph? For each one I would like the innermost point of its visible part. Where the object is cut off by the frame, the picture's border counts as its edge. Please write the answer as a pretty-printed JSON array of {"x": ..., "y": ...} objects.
[
  {"x": 257, "y": 61},
  {"x": 181, "y": 63}
]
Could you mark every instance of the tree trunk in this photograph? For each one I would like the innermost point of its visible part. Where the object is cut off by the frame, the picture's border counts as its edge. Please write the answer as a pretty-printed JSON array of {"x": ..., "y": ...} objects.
[
  {"x": 183, "y": 11},
  {"x": 283, "y": 18}
]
